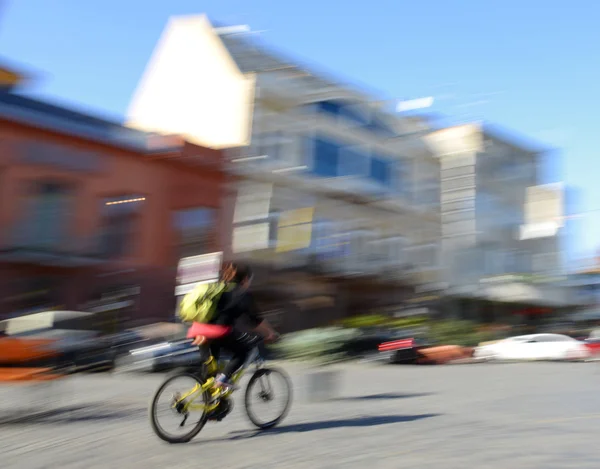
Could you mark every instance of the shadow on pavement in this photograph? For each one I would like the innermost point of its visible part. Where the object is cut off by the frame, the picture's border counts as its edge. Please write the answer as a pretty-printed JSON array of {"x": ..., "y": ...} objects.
[
  {"x": 384, "y": 396},
  {"x": 326, "y": 425},
  {"x": 72, "y": 414}
]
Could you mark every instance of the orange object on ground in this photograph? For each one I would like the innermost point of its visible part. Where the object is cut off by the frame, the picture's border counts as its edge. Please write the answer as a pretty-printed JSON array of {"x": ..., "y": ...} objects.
[
  {"x": 11, "y": 375},
  {"x": 13, "y": 350},
  {"x": 444, "y": 354}
]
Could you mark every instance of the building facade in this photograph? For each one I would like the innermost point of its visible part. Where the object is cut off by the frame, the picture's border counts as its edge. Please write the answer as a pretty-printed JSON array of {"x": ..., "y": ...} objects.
[
  {"x": 332, "y": 181},
  {"x": 502, "y": 229},
  {"x": 89, "y": 208}
]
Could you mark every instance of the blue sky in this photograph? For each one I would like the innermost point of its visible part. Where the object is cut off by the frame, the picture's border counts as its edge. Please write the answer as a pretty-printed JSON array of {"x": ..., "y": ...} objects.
[{"x": 525, "y": 65}]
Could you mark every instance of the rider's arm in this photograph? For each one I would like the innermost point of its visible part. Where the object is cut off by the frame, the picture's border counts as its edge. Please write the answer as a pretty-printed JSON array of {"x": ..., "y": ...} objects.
[
  {"x": 265, "y": 329},
  {"x": 260, "y": 325},
  {"x": 251, "y": 311}
]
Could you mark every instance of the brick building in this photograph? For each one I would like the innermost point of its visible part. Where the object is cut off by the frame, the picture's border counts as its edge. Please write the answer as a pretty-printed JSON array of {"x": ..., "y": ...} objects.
[{"x": 89, "y": 207}]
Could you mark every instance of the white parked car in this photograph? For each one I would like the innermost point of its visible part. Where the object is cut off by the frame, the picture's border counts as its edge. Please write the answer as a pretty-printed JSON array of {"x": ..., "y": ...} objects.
[{"x": 534, "y": 347}]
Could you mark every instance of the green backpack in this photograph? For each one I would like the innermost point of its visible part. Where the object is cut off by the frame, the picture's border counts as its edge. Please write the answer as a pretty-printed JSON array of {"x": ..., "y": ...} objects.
[{"x": 200, "y": 304}]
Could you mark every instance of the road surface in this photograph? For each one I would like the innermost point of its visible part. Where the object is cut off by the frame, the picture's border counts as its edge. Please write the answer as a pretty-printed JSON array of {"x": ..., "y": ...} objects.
[{"x": 460, "y": 416}]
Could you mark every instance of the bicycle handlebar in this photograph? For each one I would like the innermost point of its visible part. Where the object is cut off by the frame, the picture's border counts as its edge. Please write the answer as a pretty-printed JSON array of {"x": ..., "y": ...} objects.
[{"x": 207, "y": 342}]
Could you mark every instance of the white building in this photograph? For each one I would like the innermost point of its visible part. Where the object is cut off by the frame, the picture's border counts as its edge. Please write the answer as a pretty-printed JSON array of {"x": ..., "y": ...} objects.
[
  {"x": 499, "y": 225},
  {"x": 329, "y": 176}
]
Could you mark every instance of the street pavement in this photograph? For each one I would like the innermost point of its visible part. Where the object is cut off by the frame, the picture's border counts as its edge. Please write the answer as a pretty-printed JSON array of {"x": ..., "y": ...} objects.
[{"x": 533, "y": 415}]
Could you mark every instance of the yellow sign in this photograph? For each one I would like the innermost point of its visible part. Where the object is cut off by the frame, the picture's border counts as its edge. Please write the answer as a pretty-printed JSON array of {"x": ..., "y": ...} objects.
[
  {"x": 294, "y": 230},
  {"x": 296, "y": 217}
]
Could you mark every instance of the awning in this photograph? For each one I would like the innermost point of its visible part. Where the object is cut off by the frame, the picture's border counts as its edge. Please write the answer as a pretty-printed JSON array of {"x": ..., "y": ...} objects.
[
  {"x": 40, "y": 321},
  {"x": 515, "y": 293}
]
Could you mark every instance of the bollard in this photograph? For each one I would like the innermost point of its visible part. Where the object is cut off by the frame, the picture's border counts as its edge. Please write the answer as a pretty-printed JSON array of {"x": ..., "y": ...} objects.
[{"x": 323, "y": 385}]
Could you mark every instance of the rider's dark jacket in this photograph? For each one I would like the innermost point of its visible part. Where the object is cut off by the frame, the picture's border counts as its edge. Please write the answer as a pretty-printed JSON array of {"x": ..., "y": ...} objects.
[{"x": 234, "y": 304}]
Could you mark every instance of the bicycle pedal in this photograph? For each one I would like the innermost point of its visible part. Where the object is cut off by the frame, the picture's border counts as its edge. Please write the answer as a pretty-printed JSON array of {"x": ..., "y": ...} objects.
[{"x": 215, "y": 396}]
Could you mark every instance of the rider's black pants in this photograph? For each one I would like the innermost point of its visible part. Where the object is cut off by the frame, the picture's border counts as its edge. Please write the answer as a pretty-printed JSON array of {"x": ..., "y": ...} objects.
[{"x": 239, "y": 344}]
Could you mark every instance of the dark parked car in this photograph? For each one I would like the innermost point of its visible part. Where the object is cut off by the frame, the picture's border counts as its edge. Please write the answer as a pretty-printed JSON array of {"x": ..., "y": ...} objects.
[{"x": 403, "y": 350}]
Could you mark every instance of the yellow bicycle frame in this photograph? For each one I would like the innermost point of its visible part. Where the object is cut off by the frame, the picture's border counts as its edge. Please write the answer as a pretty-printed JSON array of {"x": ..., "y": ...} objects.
[{"x": 198, "y": 389}]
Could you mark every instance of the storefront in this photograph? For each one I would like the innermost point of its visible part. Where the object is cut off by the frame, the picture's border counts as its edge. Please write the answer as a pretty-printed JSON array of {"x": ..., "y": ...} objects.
[{"x": 507, "y": 300}]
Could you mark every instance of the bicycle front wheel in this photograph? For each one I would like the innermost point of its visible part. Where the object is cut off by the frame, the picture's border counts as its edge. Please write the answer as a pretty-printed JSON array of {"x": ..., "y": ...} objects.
[
  {"x": 185, "y": 403},
  {"x": 266, "y": 387}
]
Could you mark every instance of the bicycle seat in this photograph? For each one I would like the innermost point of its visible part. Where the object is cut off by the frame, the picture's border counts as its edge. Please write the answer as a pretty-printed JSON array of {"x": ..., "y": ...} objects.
[{"x": 210, "y": 331}]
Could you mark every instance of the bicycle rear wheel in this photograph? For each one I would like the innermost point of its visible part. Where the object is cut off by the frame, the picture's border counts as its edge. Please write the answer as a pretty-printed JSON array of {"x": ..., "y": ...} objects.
[
  {"x": 262, "y": 386},
  {"x": 179, "y": 408}
]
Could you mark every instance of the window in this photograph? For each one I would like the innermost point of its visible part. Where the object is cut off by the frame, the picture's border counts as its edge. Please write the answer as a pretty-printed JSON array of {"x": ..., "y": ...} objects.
[
  {"x": 381, "y": 171},
  {"x": 119, "y": 222},
  {"x": 342, "y": 109},
  {"x": 326, "y": 158},
  {"x": 356, "y": 114},
  {"x": 353, "y": 162},
  {"x": 196, "y": 228},
  {"x": 46, "y": 223},
  {"x": 254, "y": 226},
  {"x": 331, "y": 159},
  {"x": 192, "y": 221},
  {"x": 329, "y": 107}
]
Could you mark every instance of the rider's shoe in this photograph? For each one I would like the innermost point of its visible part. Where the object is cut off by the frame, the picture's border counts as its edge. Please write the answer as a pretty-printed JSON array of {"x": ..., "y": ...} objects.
[
  {"x": 224, "y": 383},
  {"x": 222, "y": 387}
]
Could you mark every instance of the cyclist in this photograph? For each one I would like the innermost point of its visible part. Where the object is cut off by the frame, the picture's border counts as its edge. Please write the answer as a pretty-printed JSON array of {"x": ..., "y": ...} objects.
[{"x": 232, "y": 305}]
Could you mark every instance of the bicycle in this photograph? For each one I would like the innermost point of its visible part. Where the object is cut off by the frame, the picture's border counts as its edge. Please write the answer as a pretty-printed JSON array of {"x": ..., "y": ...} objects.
[{"x": 216, "y": 405}]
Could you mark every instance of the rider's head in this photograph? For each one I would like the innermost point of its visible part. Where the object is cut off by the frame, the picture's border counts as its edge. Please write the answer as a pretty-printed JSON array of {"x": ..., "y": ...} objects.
[{"x": 243, "y": 276}]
